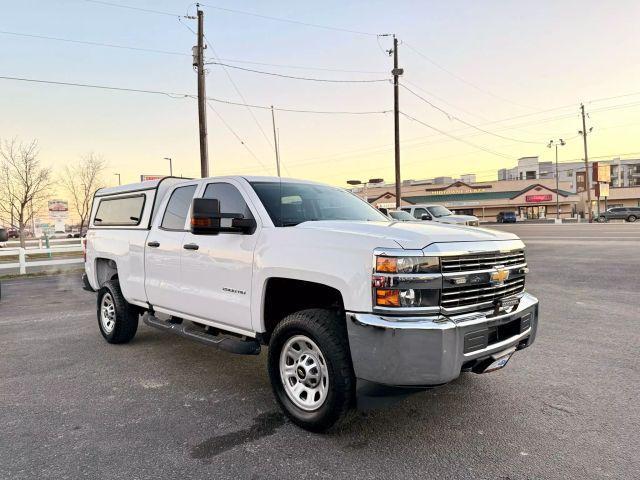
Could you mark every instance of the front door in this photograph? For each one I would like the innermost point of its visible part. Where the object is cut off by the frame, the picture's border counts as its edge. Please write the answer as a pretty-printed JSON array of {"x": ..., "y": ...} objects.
[
  {"x": 164, "y": 248},
  {"x": 216, "y": 278}
]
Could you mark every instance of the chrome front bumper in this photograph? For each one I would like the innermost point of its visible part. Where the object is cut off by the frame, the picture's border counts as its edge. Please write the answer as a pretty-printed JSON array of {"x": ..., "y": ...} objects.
[{"x": 426, "y": 351}]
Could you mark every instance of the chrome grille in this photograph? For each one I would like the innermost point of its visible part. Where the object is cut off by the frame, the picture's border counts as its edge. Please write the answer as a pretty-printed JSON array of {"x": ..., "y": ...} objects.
[
  {"x": 481, "y": 261},
  {"x": 460, "y": 296}
]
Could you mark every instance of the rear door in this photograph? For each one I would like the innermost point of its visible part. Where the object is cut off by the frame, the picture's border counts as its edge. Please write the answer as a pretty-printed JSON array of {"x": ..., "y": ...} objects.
[
  {"x": 216, "y": 278},
  {"x": 164, "y": 248}
]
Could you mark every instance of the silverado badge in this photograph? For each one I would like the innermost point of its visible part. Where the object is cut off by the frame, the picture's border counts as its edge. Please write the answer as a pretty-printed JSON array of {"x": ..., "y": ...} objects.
[{"x": 499, "y": 276}]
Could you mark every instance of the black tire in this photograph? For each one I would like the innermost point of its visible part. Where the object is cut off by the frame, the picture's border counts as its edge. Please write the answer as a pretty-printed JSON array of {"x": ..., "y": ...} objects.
[
  {"x": 631, "y": 218},
  {"x": 328, "y": 330},
  {"x": 602, "y": 219},
  {"x": 125, "y": 322}
]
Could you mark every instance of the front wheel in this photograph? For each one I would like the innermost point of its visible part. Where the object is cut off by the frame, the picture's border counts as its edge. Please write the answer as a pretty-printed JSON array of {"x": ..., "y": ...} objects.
[
  {"x": 117, "y": 319},
  {"x": 310, "y": 368},
  {"x": 601, "y": 219}
]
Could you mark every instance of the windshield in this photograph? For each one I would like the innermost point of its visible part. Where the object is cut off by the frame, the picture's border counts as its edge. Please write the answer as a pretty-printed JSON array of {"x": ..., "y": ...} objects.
[
  {"x": 439, "y": 211},
  {"x": 401, "y": 215},
  {"x": 289, "y": 204}
]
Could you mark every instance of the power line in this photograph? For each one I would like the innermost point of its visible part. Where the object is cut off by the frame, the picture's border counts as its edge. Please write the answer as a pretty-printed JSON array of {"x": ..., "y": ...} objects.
[
  {"x": 302, "y": 67},
  {"x": 188, "y": 95},
  {"x": 170, "y": 52},
  {"x": 129, "y": 7},
  {"x": 480, "y": 147},
  {"x": 240, "y": 139},
  {"x": 459, "y": 78},
  {"x": 94, "y": 44},
  {"x": 310, "y": 79},
  {"x": 287, "y": 20},
  {"x": 453, "y": 117},
  {"x": 431, "y": 94},
  {"x": 101, "y": 87}
]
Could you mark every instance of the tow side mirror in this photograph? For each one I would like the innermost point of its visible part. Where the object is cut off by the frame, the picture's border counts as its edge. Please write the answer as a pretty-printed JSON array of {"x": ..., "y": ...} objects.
[
  {"x": 206, "y": 219},
  {"x": 425, "y": 216},
  {"x": 205, "y": 216},
  {"x": 4, "y": 235}
]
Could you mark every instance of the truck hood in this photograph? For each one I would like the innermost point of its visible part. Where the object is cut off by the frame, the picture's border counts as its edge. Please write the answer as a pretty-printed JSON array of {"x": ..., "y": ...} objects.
[{"x": 411, "y": 235}]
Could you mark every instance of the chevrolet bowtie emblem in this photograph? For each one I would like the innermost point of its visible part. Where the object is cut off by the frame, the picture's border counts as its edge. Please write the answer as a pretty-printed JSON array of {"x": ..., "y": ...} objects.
[{"x": 499, "y": 276}]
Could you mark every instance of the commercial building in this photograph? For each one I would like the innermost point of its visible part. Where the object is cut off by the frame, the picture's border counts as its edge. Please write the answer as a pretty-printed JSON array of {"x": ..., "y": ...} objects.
[{"x": 529, "y": 199}]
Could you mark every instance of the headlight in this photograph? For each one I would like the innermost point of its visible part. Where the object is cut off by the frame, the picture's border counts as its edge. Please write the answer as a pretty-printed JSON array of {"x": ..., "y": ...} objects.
[
  {"x": 407, "y": 264},
  {"x": 397, "y": 281}
]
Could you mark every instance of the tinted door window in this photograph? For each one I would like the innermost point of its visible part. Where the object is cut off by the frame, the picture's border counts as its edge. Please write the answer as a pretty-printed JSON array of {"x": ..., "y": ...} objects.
[
  {"x": 176, "y": 213},
  {"x": 120, "y": 211},
  {"x": 231, "y": 200}
]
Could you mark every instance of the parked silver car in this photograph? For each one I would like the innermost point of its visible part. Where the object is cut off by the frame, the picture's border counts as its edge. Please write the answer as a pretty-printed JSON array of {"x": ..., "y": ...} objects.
[{"x": 438, "y": 213}]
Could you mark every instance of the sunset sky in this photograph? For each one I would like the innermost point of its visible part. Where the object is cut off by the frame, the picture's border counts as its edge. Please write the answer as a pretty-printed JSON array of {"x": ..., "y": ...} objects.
[{"x": 480, "y": 61}]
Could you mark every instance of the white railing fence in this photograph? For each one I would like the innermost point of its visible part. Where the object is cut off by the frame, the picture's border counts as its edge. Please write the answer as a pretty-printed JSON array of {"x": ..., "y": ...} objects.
[{"x": 23, "y": 254}]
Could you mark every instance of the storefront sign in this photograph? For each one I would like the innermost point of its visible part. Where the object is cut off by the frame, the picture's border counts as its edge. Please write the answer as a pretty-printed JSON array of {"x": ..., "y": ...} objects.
[
  {"x": 538, "y": 198},
  {"x": 144, "y": 178}
]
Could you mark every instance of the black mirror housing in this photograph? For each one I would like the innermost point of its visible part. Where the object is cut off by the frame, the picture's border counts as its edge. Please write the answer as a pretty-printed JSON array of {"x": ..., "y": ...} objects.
[
  {"x": 206, "y": 219},
  {"x": 205, "y": 216},
  {"x": 425, "y": 216}
]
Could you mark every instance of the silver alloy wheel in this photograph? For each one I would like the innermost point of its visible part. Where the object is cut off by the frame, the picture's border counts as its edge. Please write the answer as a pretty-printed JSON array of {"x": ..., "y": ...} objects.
[
  {"x": 107, "y": 313},
  {"x": 304, "y": 373}
]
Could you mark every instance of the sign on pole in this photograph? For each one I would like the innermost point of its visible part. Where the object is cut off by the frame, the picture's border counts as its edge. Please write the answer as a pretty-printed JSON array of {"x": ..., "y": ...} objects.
[
  {"x": 58, "y": 209},
  {"x": 602, "y": 190}
]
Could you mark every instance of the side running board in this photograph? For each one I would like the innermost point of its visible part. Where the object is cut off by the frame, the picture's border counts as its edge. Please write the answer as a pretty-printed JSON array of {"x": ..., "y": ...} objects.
[{"x": 249, "y": 346}]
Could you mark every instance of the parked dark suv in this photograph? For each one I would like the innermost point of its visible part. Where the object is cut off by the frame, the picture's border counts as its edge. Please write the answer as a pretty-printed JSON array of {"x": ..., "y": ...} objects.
[
  {"x": 506, "y": 217},
  {"x": 630, "y": 214}
]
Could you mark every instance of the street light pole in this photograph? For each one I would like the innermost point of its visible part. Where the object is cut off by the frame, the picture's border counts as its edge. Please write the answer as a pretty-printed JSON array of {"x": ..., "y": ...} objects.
[
  {"x": 170, "y": 166},
  {"x": 560, "y": 143},
  {"x": 118, "y": 175}
]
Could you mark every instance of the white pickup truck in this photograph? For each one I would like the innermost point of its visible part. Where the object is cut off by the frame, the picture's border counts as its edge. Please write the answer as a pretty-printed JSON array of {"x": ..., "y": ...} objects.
[{"x": 348, "y": 302}]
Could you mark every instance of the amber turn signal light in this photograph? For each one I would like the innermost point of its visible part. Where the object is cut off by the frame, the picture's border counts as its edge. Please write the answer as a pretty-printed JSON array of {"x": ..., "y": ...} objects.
[
  {"x": 387, "y": 298},
  {"x": 386, "y": 264}
]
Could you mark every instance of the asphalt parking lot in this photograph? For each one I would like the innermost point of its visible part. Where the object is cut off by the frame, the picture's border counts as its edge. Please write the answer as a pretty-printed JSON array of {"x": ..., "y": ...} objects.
[{"x": 73, "y": 406}]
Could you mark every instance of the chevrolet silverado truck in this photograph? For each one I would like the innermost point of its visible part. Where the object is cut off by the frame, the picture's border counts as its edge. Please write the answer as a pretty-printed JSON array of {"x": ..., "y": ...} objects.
[{"x": 348, "y": 302}]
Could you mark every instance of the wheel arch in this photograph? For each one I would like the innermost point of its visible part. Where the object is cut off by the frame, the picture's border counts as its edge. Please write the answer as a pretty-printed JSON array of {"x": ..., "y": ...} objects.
[
  {"x": 106, "y": 269},
  {"x": 283, "y": 296}
]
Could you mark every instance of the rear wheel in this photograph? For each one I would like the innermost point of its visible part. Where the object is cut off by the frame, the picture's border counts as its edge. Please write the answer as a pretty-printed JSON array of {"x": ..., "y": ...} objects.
[
  {"x": 631, "y": 218},
  {"x": 117, "y": 319},
  {"x": 310, "y": 368}
]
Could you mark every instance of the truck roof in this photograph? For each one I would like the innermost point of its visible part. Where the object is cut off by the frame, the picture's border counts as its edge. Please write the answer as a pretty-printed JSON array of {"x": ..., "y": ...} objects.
[{"x": 169, "y": 181}]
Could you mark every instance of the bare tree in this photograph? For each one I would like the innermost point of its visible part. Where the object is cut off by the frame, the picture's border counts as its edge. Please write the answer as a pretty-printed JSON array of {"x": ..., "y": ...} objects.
[
  {"x": 24, "y": 182},
  {"x": 81, "y": 180}
]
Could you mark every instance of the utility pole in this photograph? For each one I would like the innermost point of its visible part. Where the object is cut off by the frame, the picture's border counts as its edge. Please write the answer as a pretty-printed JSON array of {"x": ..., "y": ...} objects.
[
  {"x": 202, "y": 97},
  {"x": 275, "y": 141},
  {"x": 396, "y": 119},
  {"x": 586, "y": 163}
]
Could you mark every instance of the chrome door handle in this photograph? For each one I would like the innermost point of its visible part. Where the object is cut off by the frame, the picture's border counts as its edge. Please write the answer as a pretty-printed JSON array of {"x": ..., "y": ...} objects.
[
  {"x": 191, "y": 246},
  {"x": 153, "y": 244}
]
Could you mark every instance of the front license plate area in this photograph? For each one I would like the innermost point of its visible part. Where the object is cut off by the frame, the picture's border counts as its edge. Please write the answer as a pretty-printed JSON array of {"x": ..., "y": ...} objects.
[
  {"x": 498, "y": 364},
  {"x": 499, "y": 360}
]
